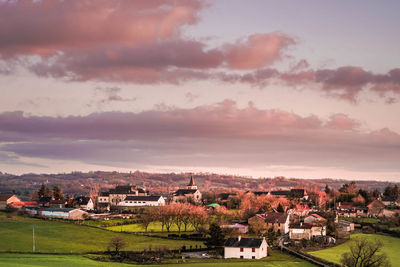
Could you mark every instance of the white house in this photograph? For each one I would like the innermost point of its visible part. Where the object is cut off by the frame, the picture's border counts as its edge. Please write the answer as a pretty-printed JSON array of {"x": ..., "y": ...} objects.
[
  {"x": 245, "y": 248},
  {"x": 137, "y": 201},
  {"x": 84, "y": 203},
  {"x": 306, "y": 231}
]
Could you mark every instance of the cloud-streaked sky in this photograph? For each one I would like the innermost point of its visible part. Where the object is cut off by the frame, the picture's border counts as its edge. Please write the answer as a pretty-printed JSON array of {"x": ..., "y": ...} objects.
[{"x": 298, "y": 89}]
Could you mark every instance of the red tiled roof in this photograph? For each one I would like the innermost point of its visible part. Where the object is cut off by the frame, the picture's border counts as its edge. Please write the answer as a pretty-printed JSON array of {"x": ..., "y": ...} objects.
[{"x": 24, "y": 204}]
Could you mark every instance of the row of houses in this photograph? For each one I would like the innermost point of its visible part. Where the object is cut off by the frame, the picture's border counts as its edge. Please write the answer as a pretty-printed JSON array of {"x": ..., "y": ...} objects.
[{"x": 129, "y": 196}]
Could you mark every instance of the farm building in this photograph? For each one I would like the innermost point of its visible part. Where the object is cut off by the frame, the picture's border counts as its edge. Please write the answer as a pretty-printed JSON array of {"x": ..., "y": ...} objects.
[
  {"x": 245, "y": 248},
  {"x": 138, "y": 201},
  {"x": 65, "y": 213},
  {"x": 7, "y": 199}
]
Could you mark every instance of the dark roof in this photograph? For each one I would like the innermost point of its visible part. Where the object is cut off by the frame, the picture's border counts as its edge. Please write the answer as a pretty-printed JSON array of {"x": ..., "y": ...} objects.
[
  {"x": 191, "y": 183},
  {"x": 182, "y": 192},
  {"x": 259, "y": 193},
  {"x": 244, "y": 242},
  {"x": 280, "y": 193},
  {"x": 104, "y": 194},
  {"x": 58, "y": 209},
  {"x": 45, "y": 199},
  {"x": 297, "y": 193},
  {"x": 274, "y": 217},
  {"x": 301, "y": 226},
  {"x": 103, "y": 205},
  {"x": 5, "y": 197},
  {"x": 142, "y": 198},
  {"x": 58, "y": 201},
  {"x": 82, "y": 200}
]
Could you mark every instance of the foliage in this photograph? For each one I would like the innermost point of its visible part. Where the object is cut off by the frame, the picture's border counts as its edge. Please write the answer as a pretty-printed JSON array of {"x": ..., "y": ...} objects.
[
  {"x": 365, "y": 253},
  {"x": 57, "y": 194},
  {"x": 44, "y": 191},
  {"x": 257, "y": 225},
  {"x": 216, "y": 238}
]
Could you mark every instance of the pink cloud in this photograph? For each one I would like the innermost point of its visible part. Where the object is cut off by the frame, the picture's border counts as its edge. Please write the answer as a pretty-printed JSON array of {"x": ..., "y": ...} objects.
[
  {"x": 257, "y": 51},
  {"x": 213, "y": 135},
  {"x": 48, "y": 26}
]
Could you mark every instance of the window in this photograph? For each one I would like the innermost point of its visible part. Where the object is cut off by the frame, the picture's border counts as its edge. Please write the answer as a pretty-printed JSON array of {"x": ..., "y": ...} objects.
[
  {"x": 241, "y": 257},
  {"x": 253, "y": 257},
  {"x": 241, "y": 249},
  {"x": 253, "y": 250}
]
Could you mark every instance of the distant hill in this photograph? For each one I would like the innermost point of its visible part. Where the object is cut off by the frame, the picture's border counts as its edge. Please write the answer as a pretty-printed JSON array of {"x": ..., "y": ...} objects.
[{"x": 85, "y": 182}]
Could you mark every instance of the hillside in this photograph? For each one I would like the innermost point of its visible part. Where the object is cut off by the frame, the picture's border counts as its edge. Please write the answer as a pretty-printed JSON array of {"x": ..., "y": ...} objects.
[{"x": 80, "y": 182}]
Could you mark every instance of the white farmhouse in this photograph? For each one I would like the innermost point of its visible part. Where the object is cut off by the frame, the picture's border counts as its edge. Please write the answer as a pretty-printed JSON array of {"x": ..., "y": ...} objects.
[
  {"x": 138, "y": 201},
  {"x": 245, "y": 248}
]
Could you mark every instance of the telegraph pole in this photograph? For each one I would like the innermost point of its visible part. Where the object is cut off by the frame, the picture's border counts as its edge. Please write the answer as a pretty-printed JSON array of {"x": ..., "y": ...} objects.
[{"x": 33, "y": 238}]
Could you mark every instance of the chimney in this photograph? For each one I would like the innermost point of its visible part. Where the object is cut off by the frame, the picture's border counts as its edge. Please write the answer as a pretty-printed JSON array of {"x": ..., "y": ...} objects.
[{"x": 239, "y": 237}]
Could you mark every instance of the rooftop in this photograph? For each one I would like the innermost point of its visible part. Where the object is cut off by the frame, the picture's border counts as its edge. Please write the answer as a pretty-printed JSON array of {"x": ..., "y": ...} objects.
[{"x": 243, "y": 242}]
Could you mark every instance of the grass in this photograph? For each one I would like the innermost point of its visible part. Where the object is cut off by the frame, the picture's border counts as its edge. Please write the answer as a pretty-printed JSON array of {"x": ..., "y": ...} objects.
[
  {"x": 153, "y": 227},
  {"x": 65, "y": 237},
  {"x": 397, "y": 229},
  {"x": 30, "y": 260},
  {"x": 391, "y": 246}
]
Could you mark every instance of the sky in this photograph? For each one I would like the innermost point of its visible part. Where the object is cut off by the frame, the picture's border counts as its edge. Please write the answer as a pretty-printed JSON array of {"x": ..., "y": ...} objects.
[{"x": 273, "y": 88}]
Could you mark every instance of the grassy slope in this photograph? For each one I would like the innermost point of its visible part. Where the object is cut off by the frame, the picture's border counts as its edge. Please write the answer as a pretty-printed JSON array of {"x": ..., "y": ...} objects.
[
  {"x": 153, "y": 227},
  {"x": 26, "y": 260},
  {"x": 50, "y": 236},
  {"x": 391, "y": 248}
]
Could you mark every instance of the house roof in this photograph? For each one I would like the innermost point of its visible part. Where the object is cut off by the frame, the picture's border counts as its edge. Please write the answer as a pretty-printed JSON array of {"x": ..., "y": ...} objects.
[
  {"x": 5, "y": 197},
  {"x": 142, "y": 198},
  {"x": 58, "y": 209},
  {"x": 297, "y": 193},
  {"x": 301, "y": 226},
  {"x": 58, "y": 201},
  {"x": 280, "y": 193},
  {"x": 260, "y": 193},
  {"x": 274, "y": 217},
  {"x": 24, "y": 204},
  {"x": 182, "y": 192},
  {"x": 243, "y": 242},
  {"x": 82, "y": 200}
]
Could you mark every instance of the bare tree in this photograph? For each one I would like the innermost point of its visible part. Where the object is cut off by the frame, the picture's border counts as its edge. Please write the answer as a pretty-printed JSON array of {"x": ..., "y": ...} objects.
[
  {"x": 365, "y": 253},
  {"x": 257, "y": 225},
  {"x": 117, "y": 243}
]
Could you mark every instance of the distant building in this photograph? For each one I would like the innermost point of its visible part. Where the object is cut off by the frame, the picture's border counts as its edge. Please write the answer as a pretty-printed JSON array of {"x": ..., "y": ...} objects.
[
  {"x": 277, "y": 221},
  {"x": 375, "y": 208},
  {"x": 139, "y": 201},
  {"x": 345, "y": 226},
  {"x": 306, "y": 231},
  {"x": 237, "y": 227},
  {"x": 314, "y": 218},
  {"x": 84, "y": 203},
  {"x": 245, "y": 248},
  {"x": 64, "y": 213},
  {"x": 189, "y": 194},
  {"x": 112, "y": 197},
  {"x": 7, "y": 199}
]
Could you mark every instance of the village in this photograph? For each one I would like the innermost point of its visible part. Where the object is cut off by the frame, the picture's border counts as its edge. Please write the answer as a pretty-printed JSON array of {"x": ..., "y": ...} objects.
[{"x": 241, "y": 225}]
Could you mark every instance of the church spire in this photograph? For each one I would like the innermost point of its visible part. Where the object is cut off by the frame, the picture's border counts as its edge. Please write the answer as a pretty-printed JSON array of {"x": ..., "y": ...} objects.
[{"x": 191, "y": 184}]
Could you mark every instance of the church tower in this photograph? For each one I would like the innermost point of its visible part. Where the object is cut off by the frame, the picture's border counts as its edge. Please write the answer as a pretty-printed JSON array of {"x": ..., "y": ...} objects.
[{"x": 191, "y": 184}]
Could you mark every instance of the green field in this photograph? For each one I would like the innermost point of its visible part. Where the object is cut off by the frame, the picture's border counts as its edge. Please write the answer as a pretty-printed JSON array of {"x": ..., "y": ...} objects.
[
  {"x": 28, "y": 260},
  {"x": 361, "y": 220},
  {"x": 391, "y": 248},
  {"x": 153, "y": 227},
  {"x": 50, "y": 236}
]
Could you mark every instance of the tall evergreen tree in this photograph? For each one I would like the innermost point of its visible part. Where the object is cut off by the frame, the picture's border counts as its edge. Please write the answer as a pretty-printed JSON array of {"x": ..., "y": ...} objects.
[
  {"x": 57, "y": 194},
  {"x": 44, "y": 191},
  {"x": 216, "y": 238},
  {"x": 280, "y": 208}
]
